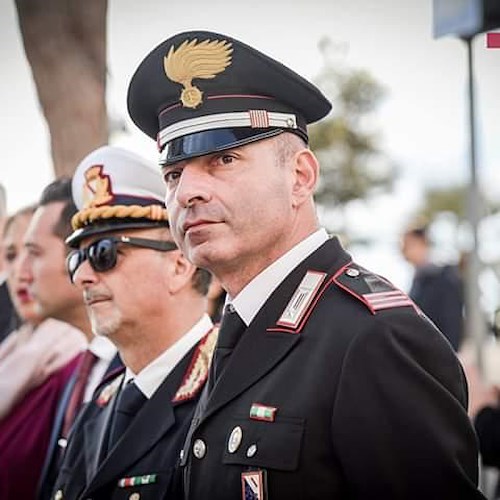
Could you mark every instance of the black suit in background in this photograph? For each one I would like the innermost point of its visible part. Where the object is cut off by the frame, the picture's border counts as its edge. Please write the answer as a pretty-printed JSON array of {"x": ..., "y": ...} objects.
[
  {"x": 362, "y": 402},
  {"x": 438, "y": 291},
  {"x": 8, "y": 317},
  {"x": 149, "y": 448}
]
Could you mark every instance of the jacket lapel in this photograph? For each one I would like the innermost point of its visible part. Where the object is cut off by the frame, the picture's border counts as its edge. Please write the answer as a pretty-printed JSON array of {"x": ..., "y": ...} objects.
[
  {"x": 157, "y": 416},
  {"x": 94, "y": 435},
  {"x": 143, "y": 433},
  {"x": 259, "y": 350}
]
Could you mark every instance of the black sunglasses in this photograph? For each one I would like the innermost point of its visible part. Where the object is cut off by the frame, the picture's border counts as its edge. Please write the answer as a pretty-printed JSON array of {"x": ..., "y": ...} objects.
[{"x": 102, "y": 254}]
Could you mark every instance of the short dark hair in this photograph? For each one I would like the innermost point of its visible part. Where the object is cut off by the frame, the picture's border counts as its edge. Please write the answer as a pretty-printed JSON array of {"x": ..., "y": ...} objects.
[
  {"x": 60, "y": 191},
  {"x": 420, "y": 232}
]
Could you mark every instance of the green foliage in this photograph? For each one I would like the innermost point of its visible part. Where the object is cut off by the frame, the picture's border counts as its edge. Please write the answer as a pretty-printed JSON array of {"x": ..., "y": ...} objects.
[
  {"x": 352, "y": 164},
  {"x": 437, "y": 200},
  {"x": 452, "y": 199}
]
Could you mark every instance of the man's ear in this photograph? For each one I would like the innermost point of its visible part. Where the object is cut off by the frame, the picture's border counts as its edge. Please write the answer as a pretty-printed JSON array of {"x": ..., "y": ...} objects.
[
  {"x": 306, "y": 172},
  {"x": 181, "y": 273}
]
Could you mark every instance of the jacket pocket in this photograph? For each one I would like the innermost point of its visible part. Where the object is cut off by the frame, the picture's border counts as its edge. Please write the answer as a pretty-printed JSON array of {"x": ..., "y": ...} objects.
[{"x": 270, "y": 445}]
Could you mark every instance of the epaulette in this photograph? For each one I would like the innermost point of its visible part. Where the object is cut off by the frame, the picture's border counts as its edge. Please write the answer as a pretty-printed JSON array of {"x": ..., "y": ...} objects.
[{"x": 374, "y": 291}]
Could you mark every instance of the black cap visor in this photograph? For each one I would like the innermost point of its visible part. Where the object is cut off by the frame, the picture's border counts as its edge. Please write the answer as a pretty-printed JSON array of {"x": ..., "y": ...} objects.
[
  {"x": 74, "y": 239},
  {"x": 211, "y": 141}
]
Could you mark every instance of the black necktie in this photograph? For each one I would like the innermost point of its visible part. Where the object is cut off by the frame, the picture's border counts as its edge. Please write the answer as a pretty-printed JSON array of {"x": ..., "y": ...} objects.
[
  {"x": 231, "y": 329},
  {"x": 129, "y": 402}
]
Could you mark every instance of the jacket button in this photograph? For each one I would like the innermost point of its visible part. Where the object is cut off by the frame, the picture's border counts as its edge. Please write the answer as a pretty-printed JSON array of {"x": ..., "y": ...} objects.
[
  {"x": 134, "y": 496},
  {"x": 199, "y": 449},
  {"x": 353, "y": 273},
  {"x": 58, "y": 495},
  {"x": 235, "y": 439},
  {"x": 252, "y": 450}
]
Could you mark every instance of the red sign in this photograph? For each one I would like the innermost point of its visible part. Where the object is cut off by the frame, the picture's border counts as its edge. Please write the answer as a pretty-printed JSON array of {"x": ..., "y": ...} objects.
[{"x": 493, "y": 40}]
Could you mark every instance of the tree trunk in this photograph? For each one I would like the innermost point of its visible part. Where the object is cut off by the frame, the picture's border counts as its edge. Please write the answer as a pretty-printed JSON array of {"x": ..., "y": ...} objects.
[{"x": 65, "y": 43}]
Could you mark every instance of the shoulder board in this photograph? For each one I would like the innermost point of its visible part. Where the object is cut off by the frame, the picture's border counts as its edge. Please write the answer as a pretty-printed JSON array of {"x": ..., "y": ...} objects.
[
  {"x": 197, "y": 371},
  {"x": 374, "y": 291}
]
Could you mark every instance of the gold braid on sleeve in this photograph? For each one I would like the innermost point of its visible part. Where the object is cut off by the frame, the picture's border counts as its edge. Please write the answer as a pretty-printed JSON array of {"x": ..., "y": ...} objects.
[{"x": 92, "y": 214}]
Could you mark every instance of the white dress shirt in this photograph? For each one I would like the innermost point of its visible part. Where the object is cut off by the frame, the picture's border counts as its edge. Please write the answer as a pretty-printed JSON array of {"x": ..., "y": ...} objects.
[
  {"x": 105, "y": 351},
  {"x": 151, "y": 377},
  {"x": 249, "y": 301}
]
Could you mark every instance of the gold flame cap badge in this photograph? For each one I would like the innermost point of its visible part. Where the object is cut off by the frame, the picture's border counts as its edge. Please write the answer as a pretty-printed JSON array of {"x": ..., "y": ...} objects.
[{"x": 194, "y": 59}]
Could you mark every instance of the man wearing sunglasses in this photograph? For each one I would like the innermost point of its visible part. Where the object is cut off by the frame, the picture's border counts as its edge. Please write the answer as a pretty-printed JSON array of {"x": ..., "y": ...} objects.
[{"x": 142, "y": 294}]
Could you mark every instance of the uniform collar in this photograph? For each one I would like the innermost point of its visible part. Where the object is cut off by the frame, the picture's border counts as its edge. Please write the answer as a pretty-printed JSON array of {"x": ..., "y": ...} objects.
[
  {"x": 152, "y": 376},
  {"x": 103, "y": 348},
  {"x": 249, "y": 301}
]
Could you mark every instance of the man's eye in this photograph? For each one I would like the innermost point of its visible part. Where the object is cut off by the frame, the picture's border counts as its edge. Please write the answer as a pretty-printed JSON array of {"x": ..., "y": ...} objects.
[
  {"x": 171, "y": 176},
  {"x": 10, "y": 255},
  {"x": 226, "y": 159}
]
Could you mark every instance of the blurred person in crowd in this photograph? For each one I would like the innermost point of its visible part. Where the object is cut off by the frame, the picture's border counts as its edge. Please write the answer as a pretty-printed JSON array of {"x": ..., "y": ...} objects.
[
  {"x": 141, "y": 293},
  {"x": 8, "y": 317},
  {"x": 36, "y": 361},
  {"x": 436, "y": 289},
  {"x": 484, "y": 411},
  {"x": 44, "y": 262},
  {"x": 327, "y": 382}
]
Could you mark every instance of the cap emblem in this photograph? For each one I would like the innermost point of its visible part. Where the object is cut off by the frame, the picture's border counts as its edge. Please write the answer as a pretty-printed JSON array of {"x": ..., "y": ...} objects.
[
  {"x": 97, "y": 187},
  {"x": 196, "y": 60}
]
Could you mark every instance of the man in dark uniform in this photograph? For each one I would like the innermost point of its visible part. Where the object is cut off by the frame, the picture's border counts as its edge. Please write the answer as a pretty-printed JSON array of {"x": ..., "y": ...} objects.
[
  {"x": 327, "y": 382},
  {"x": 436, "y": 289},
  {"x": 142, "y": 294}
]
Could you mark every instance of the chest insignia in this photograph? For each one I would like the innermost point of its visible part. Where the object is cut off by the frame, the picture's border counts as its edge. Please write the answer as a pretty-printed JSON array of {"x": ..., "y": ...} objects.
[
  {"x": 263, "y": 412},
  {"x": 253, "y": 485},
  {"x": 137, "y": 480}
]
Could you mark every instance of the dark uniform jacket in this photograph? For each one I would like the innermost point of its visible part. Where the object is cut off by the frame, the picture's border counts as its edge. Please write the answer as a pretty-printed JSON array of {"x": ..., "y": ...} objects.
[
  {"x": 353, "y": 396},
  {"x": 438, "y": 291},
  {"x": 143, "y": 460}
]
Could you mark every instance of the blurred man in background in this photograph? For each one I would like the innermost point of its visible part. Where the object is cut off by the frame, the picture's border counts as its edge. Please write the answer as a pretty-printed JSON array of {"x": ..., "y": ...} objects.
[{"x": 436, "y": 289}]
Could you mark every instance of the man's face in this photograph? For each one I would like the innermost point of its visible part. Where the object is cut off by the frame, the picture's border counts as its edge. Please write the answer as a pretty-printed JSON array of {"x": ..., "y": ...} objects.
[
  {"x": 414, "y": 249},
  {"x": 130, "y": 294},
  {"x": 231, "y": 209},
  {"x": 45, "y": 259}
]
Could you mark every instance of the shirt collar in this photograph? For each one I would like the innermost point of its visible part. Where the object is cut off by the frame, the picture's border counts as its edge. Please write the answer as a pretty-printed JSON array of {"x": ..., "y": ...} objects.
[
  {"x": 249, "y": 301},
  {"x": 151, "y": 377},
  {"x": 102, "y": 347}
]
